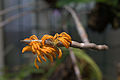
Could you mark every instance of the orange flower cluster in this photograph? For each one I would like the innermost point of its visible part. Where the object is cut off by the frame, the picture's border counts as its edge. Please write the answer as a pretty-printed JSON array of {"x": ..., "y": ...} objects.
[{"x": 42, "y": 49}]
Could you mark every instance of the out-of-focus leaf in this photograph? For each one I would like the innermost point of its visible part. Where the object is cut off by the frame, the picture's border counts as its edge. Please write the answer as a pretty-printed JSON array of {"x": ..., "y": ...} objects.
[
  {"x": 2, "y": 78},
  {"x": 109, "y": 2},
  {"x": 61, "y": 3},
  {"x": 82, "y": 55},
  {"x": 65, "y": 2}
]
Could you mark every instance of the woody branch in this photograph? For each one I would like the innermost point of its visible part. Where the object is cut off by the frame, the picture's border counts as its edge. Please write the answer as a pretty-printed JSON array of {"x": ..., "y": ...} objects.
[
  {"x": 83, "y": 34},
  {"x": 76, "y": 45}
]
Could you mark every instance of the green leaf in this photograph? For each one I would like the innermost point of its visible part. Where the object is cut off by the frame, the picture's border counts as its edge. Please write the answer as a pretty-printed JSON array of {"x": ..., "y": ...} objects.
[
  {"x": 82, "y": 55},
  {"x": 109, "y": 2},
  {"x": 61, "y": 3}
]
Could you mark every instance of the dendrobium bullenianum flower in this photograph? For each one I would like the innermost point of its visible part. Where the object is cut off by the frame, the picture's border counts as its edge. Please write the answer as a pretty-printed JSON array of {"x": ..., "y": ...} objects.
[{"x": 41, "y": 49}]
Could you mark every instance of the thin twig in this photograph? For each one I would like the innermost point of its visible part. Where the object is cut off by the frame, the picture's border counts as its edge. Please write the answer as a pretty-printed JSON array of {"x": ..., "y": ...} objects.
[
  {"x": 79, "y": 26},
  {"x": 77, "y": 45},
  {"x": 82, "y": 34},
  {"x": 2, "y": 12},
  {"x": 76, "y": 68},
  {"x": 72, "y": 55},
  {"x": 5, "y": 11},
  {"x": 88, "y": 46},
  {"x": 10, "y": 19}
]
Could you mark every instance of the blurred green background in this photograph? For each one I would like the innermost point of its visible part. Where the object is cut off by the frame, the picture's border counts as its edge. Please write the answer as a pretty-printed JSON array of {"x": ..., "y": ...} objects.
[{"x": 20, "y": 19}]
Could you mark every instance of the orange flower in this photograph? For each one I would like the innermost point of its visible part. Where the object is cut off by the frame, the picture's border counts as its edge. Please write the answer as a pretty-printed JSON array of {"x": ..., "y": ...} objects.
[
  {"x": 64, "y": 38},
  {"x": 42, "y": 50}
]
